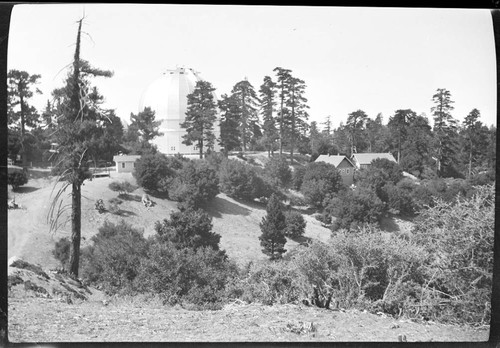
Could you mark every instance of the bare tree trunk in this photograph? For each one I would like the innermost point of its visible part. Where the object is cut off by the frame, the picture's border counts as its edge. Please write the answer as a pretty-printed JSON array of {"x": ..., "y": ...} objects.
[{"x": 76, "y": 206}]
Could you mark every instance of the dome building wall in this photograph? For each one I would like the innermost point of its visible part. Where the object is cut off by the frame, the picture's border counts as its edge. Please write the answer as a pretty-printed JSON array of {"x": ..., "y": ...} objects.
[{"x": 167, "y": 97}]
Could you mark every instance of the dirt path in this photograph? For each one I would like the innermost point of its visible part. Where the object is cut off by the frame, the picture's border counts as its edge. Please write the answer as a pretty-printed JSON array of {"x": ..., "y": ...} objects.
[{"x": 48, "y": 320}]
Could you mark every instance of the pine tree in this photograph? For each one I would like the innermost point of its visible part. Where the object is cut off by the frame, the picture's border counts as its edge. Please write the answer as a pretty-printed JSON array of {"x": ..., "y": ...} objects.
[
  {"x": 20, "y": 85},
  {"x": 298, "y": 114},
  {"x": 475, "y": 136},
  {"x": 246, "y": 98},
  {"x": 267, "y": 94},
  {"x": 79, "y": 128},
  {"x": 200, "y": 117},
  {"x": 273, "y": 228},
  {"x": 398, "y": 124},
  {"x": 445, "y": 131},
  {"x": 229, "y": 123},
  {"x": 146, "y": 125},
  {"x": 355, "y": 125},
  {"x": 282, "y": 85}
]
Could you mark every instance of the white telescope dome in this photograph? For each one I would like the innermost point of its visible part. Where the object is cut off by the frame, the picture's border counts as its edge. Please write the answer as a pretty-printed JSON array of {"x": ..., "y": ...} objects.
[{"x": 167, "y": 97}]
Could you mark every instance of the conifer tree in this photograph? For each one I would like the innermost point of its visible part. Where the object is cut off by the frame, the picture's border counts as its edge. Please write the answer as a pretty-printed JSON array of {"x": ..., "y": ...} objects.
[
  {"x": 229, "y": 122},
  {"x": 146, "y": 126},
  {"x": 282, "y": 85},
  {"x": 273, "y": 228},
  {"x": 20, "y": 85},
  {"x": 298, "y": 114},
  {"x": 267, "y": 94},
  {"x": 246, "y": 98},
  {"x": 355, "y": 125},
  {"x": 445, "y": 130},
  {"x": 398, "y": 124},
  {"x": 80, "y": 125},
  {"x": 201, "y": 115}
]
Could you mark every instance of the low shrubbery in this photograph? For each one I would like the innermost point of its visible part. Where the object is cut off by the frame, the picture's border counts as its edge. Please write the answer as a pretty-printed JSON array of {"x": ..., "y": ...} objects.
[
  {"x": 152, "y": 170},
  {"x": 16, "y": 179},
  {"x": 278, "y": 172},
  {"x": 123, "y": 187}
]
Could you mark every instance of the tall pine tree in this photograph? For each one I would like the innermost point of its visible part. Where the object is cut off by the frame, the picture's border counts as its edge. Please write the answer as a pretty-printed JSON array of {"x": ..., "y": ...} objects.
[
  {"x": 200, "y": 118},
  {"x": 247, "y": 101},
  {"x": 283, "y": 75},
  {"x": 79, "y": 126},
  {"x": 298, "y": 111},
  {"x": 267, "y": 93},
  {"x": 229, "y": 124}
]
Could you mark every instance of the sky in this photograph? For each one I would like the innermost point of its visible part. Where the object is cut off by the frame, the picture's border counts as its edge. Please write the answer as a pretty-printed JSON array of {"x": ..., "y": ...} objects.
[{"x": 378, "y": 60}]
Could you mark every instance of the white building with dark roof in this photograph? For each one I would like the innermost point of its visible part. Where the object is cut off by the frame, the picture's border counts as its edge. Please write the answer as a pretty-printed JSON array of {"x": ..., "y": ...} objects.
[
  {"x": 167, "y": 97},
  {"x": 343, "y": 164},
  {"x": 363, "y": 160}
]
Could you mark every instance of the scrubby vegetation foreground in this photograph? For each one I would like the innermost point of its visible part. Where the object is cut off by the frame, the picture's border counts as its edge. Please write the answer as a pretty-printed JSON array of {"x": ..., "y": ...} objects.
[{"x": 440, "y": 271}]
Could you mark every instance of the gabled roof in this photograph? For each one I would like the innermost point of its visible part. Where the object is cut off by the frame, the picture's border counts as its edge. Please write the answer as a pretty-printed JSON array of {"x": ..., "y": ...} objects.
[
  {"x": 367, "y": 158},
  {"x": 126, "y": 158},
  {"x": 335, "y": 160}
]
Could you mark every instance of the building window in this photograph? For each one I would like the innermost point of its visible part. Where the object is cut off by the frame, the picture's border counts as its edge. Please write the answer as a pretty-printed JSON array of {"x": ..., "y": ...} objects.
[
  {"x": 123, "y": 164},
  {"x": 172, "y": 148}
]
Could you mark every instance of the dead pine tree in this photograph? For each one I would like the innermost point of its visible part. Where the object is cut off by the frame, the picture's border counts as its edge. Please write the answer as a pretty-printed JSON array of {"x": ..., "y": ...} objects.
[{"x": 80, "y": 123}]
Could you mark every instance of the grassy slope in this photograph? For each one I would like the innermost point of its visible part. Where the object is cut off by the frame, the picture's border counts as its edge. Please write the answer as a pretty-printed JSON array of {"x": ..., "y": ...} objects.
[{"x": 30, "y": 239}]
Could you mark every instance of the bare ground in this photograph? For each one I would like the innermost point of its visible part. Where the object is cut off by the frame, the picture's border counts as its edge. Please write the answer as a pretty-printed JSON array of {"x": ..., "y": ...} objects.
[{"x": 49, "y": 320}]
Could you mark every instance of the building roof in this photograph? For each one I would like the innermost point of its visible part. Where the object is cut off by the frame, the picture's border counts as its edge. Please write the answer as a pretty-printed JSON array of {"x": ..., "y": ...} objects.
[
  {"x": 335, "y": 160},
  {"x": 367, "y": 158},
  {"x": 126, "y": 158}
]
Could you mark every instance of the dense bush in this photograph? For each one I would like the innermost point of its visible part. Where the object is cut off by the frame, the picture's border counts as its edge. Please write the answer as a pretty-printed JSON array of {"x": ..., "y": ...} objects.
[
  {"x": 151, "y": 169},
  {"x": 241, "y": 181},
  {"x": 114, "y": 257},
  {"x": 353, "y": 208},
  {"x": 188, "y": 228},
  {"x": 61, "y": 251},
  {"x": 295, "y": 224},
  {"x": 16, "y": 179},
  {"x": 278, "y": 172},
  {"x": 196, "y": 183},
  {"x": 321, "y": 180},
  {"x": 197, "y": 277},
  {"x": 459, "y": 237},
  {"x": 273, "y": 227},
  {"x": 380, "y": 173},
  {"x": 269, "y": 283},
  {"x": 114, "y": 205},
  {"x": 400, "y": 197}
]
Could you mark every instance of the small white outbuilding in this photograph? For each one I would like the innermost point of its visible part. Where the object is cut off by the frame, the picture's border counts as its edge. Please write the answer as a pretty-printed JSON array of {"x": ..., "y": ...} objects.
[{"x": 125, "y": 163}]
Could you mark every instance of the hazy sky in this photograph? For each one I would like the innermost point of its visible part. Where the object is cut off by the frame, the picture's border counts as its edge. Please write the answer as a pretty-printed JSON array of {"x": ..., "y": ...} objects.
[{"x": 374, "y": 59}]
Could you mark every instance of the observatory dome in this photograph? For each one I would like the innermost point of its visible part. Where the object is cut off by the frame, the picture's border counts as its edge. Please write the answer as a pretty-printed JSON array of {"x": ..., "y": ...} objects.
[{"x": 167, "y": 97}]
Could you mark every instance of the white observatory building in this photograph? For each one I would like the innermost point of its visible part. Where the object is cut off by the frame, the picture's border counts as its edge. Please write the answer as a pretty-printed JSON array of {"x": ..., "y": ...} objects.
[{"x": 167, "y": 97}]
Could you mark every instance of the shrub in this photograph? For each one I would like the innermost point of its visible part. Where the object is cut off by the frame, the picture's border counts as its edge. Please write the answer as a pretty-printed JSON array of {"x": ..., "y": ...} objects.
[
  {"x": 185, "y": 275},
  {"x": 16, "y": 179},
  {"x": 320, "y": 181},
  {"x": 196, "y": 183},
  {"x": 295, "y": 224},
  {"x": 241, "y": 181},
  {"x": 269, "y": 283},
  {"x": 188, "y": 228},
  {"x": 61, "y": 251},
  {"x": 114, "y": 257},
  {"x": 380, "y": 173},
  {"x": 151, "y": 169},
  {"x": 400, "y": 197},
  {"x": 459, "y": 236},
  {"x": 353, "y": 208},
  {"x": 278, "y": 172}
]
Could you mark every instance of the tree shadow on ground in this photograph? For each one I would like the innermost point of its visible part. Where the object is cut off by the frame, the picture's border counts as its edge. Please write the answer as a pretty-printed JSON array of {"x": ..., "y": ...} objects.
[
  {"x": 219, "y": 205},
  {"x": 25, "y": 189},
  {"x": 302, "y": 240},
  {"x": 388, "y": 224},
  {"x": 125, "y": 213},
  {"x": 129, "y": 197}
]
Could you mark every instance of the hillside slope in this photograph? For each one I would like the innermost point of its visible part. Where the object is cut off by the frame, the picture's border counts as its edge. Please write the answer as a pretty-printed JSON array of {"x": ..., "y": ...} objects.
[{"x": 29, "y": 235}]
